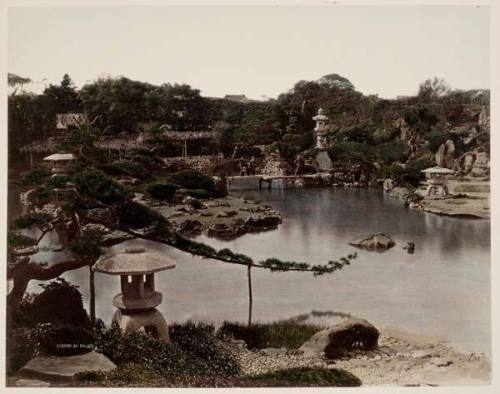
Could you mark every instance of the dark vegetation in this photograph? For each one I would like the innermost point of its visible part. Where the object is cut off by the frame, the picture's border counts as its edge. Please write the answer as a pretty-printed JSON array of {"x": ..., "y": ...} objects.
[
  {"x": 263, "y": 335},
  {"x": 309, "y": 377},
  {"x": 121, "y": 105}
]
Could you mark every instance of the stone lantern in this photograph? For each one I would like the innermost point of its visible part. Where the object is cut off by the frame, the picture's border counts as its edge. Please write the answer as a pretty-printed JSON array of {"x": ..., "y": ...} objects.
[
  {"x": 436, "y": 181},
  {"x": 138, "y": 300},
  {"x": 62, "y": 163},
  {"x": 321, "y": 129}
]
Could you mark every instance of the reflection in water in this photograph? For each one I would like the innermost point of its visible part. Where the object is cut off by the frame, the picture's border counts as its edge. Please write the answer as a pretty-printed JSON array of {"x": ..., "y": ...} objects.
[{"x": 442, "y": 290}]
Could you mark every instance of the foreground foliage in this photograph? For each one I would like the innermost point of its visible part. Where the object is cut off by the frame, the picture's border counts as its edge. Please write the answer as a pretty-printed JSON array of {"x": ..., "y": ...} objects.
[
  {"x": 194, "y": 350},
  {"x": 310, "y": 377},
  {"x": 277, "y": 334}
]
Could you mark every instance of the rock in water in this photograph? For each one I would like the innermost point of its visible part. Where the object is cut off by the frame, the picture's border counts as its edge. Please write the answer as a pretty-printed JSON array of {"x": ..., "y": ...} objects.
[
  {"x": 340, "y": 339},
  {"x": 378, "y": 242}
]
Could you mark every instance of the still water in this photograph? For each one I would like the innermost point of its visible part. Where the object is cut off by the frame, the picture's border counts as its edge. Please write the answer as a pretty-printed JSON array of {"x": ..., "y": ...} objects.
[{"x": 442, "y": 290}]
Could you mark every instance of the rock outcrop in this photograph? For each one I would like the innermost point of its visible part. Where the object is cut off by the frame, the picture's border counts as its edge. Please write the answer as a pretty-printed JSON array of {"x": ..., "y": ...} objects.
[
  {"x": 341, "y": 339},
  {"x": 445, "y": 155},
  {"x": 376, "y": 242}
]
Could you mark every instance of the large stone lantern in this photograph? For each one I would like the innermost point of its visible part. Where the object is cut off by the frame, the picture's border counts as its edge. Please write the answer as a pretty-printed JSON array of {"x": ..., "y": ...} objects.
[
  {"x": 321, "y": 129},
  {"x": 437, "y": 181},
  {"x": 138, "y": 300},
  {"x": 62, "y": 163}
]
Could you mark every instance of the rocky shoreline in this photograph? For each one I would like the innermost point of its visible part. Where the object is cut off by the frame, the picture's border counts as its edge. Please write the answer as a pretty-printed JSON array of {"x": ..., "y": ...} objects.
[
  {"x": 400, "y": 359},
  {"x": 467, "y": 199}
]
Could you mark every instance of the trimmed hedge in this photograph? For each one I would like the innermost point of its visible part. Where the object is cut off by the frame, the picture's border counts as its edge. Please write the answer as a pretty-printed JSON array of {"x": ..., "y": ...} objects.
[
  {"x": 95, "y": 184},
  {"x": 191, "y": 179},
  {"x": 127, "y": 167},
  {"x": 161, "y": 190}
]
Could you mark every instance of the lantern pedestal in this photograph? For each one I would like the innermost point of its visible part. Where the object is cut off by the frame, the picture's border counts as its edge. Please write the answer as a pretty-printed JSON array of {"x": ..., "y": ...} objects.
[{"x": 151, "y": 320}]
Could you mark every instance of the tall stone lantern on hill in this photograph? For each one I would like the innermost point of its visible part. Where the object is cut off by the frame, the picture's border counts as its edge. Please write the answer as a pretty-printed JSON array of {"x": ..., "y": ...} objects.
[
  {"x": 321, "y": 129},
  {"x": 138, "y": 300}
]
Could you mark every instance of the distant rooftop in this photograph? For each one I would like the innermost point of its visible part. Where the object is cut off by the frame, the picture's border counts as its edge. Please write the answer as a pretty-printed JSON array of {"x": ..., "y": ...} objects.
[{"x": 239, "y": 98}]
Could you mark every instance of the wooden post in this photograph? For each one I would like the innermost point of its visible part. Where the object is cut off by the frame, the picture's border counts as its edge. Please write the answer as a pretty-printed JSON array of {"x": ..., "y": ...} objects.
[
  {"x": 92, "y": 295},
  {"x": 250, "y": 296}
]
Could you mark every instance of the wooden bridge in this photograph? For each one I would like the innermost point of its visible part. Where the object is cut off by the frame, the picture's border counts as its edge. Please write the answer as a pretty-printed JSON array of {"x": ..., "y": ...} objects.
[{"x": 258, "y": 182}]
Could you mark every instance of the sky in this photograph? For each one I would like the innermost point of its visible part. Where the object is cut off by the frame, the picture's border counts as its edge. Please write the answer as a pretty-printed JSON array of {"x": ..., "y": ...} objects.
[{"x": 259, "y": 51}]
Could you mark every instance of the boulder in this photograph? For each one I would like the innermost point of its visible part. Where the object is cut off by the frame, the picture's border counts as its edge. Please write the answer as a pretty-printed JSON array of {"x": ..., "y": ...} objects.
[
  {"x": 220, "y": 230},
  {"x": 481, "y": 166},
  {"x": 378, "y": 241},
  {"x": 100, "y": 215},
  {"x": 190, "y": 226},
  {"x": 400, "y": 192},
  {"x": 388, "y": 184},
  {"x": 261, "y": 221},
  {"x": 341, "y": 339},
  {"x": 445, "y": 155},
  {"x": 193, "y": 202},
  {"x": 65, "y": 368}
]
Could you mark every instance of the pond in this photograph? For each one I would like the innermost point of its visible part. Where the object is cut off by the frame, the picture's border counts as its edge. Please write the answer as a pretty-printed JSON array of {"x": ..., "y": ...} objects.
[{"x": 442, "y": 290}]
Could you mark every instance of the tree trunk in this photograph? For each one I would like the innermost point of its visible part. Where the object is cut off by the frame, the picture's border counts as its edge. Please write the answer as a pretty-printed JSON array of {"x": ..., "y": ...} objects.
[
  {"x": 250, "y": 297},
  {"x": 92, "y": 295}
]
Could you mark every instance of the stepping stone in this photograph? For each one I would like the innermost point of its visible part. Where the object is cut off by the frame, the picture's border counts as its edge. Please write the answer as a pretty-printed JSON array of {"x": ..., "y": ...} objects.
[
  {"x": 31, "y": 383},
  {"x": 65, "y": 368}
]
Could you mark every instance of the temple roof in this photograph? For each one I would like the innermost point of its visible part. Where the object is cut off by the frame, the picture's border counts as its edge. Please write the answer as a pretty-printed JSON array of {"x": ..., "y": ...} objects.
[{"x": 133, "y": 261}]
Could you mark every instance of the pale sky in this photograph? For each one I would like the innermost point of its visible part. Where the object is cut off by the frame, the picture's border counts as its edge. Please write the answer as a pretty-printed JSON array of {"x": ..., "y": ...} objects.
[{"x": 254, "y": 50}]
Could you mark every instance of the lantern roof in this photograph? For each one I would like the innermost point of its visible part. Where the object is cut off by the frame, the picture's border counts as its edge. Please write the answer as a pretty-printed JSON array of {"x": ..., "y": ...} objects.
[
  {"x": 133, "y": 261},
  {"x": 60, "y": 157},
  {"x": 438, "y": 170}
]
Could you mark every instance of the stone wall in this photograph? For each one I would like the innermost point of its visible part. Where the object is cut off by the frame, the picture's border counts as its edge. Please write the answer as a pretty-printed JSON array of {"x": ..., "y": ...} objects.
[{"x": 204, "y": 164}]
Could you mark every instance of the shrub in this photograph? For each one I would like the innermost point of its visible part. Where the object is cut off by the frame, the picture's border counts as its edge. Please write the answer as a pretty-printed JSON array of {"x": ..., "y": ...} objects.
[
  {"x": 15, "y": 240},
  {"x": 60, "y": 303},
  {"x": 191, "y": 179},
  {"x": 31, "y": 219},
  {"x": 161, "y": 190},
  {"x": 21, "y": 347},
  {"x": 57, "y": 181},
  {"x": 410, "y": 174},
  {"x": 95, "y": 184},
  {"x": 306, "y": 376},
  {"x": 87, "y": 246},
  {"x": 194, "y": 350},
  {"x": 436, "y": 138},
  {"x": 127, "y": 167},
  {"x": 277, "y": 334},
  {"x": 352, "y": 151},
  {"x": 35, "y": 176},
  {"x": 391, "y": 151},
  {"x": 198, "y": 193},
  {"x": 64, "y": 340}
]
